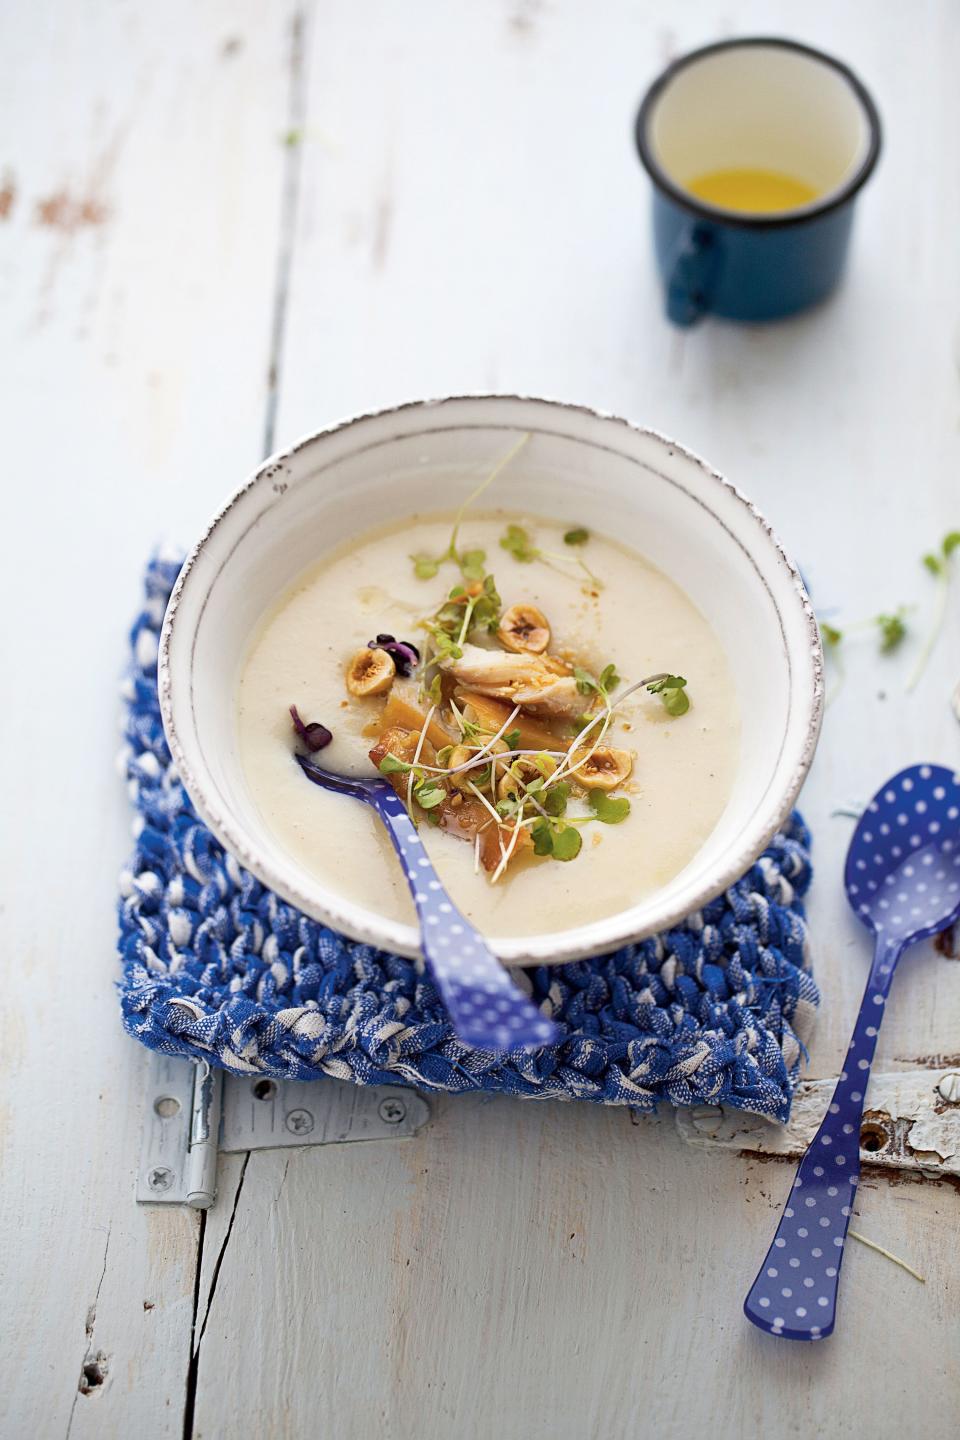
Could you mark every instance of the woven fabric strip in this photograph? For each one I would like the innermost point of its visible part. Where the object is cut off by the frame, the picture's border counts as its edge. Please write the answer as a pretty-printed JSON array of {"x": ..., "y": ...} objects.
[{"x": 216, "y": 966}]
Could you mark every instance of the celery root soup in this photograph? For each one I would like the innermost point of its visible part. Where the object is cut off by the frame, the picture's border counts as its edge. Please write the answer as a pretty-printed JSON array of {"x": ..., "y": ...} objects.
[{"x": 556, "y": 714}]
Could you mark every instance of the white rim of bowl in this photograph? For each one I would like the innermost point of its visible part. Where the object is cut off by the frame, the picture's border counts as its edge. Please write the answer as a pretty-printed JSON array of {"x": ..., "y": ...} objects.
[{"x": 551, "y": 948}]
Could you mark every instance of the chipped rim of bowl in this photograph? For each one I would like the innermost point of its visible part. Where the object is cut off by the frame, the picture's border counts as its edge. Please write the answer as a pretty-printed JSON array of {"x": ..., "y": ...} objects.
[{"x": 551, "y": 947}]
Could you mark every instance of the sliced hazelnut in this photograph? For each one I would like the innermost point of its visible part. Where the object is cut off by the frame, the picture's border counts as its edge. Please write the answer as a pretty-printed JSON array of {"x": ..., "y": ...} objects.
[
  {"x": 460, "y": 755},
  {"x": 518, "y": 774},
  {"x": 524, "y": 628},
  {"x": 605, "y": 769},
  {"x": 370, "y": 672}
]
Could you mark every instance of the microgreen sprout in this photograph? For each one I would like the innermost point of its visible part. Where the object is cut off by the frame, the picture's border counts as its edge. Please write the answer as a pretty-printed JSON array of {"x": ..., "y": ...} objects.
[
  {"x": 469, "y": 732},
  {"x": 510, "y": 804},
  {"x": 414, "y": 773},
  {"x": 555, "y": 800},
  {"x": 471, "y": 562},
  {"x": 434, "y": 691},
  {"x": 392, "y": 765},
  {"x": 518, "y": 543},
  {"x": 429, "y": 793},
  {"x": 486, "y": 606},
  {"x": 567, "y": 842},
  {"x": 508, "y": 852},
  {"x": 444, "y": 644},
  {"x": 832, "y": 638},
  {"x": 579, "y": 756},
  {"x": 512, "y": 739},
  {"x": 939, "y": 564},
  {"x": 465, "y": 609},
  {"x": 672, "y": 690},
  {"x": 889, "y": 626},
  {"x": 611, "y": 810},
  {"x": 560, "y": 840},
  {"x": 608, "y": 680},
  {"x": 425, "y": 566},
  {"x": 892, "y": 629}
]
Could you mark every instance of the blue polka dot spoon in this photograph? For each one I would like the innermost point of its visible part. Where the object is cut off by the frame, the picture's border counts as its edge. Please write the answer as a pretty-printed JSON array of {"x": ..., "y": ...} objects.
[
  {"x": 485, "y": 1007},
  {"x": 903, "y": 880}
]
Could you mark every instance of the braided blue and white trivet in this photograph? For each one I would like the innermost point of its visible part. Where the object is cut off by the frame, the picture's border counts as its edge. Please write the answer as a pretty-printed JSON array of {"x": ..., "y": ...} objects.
[{"x": 218, "y": 967}]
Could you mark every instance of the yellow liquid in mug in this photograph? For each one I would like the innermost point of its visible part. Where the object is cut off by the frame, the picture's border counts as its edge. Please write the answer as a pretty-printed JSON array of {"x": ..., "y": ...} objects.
[{"x": 758, "y": 192}]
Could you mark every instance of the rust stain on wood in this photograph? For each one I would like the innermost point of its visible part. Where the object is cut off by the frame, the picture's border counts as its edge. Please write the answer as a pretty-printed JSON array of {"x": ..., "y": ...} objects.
[
  {"x": 929, "y": 1062},
  {"x": 8, "y": 194},
  {"x": 948, "y": 943},
  {"x": 523, "y": 17},
  {"x": 67, "y": 213}
]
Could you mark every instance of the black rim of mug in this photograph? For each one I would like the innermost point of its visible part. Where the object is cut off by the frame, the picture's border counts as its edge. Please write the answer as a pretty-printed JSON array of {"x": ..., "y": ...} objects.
[{"x": 733, "y": 217}]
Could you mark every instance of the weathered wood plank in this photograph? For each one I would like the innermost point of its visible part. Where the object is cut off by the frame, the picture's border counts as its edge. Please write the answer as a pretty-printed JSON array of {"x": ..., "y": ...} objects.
[
  {"x": 551, "y": 1270},
  {"x": 143, "y": 157}
]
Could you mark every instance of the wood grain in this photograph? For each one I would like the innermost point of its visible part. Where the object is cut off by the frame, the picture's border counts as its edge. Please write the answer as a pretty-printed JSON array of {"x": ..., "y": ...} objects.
[
  {"x": 547, "y": 1270},
  {"x": 144, "y": 159},
  {"x": 233, "y": 220}
]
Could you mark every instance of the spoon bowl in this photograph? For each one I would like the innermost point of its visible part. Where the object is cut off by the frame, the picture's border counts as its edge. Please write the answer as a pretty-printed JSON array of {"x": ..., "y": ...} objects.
[{"x": 902, "y": 874}]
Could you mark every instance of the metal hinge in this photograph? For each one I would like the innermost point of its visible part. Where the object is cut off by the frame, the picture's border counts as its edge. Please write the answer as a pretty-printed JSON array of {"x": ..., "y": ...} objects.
[
  {"x": 194, "y": 1112},
  {"x": 911, "y": 1123}
]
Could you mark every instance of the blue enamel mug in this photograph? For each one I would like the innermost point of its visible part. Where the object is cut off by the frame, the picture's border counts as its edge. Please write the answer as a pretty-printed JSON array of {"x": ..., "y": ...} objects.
[{"x": 757, "y": 150}]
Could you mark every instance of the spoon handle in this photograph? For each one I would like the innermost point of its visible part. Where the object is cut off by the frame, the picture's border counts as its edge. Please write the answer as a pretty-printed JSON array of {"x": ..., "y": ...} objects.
[
  {"x": 485, "y": 1006},
  {"x": 795, "y": 1292}
]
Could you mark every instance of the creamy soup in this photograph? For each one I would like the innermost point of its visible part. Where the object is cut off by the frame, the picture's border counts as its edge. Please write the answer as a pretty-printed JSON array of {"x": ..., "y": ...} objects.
[{"x": 618, "y": 797}]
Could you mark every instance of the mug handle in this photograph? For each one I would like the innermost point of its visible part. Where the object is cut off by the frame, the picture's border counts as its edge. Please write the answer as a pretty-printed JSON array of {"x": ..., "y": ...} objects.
[{"x": 691, "y": 275}]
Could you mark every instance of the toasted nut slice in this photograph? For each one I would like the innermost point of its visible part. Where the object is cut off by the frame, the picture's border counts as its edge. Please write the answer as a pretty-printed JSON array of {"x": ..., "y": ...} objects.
[
  {"x": 524, "y": 771},
  {"x": 460, "y": 755},
  {"x": 524, "y": 627},
  {"x": 605, "y": 769},
  {"x": 370, "y": 672}
]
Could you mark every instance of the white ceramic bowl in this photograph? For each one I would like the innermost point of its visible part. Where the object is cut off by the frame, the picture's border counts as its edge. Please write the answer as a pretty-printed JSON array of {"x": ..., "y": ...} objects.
[{"x": 642, "y": 488}]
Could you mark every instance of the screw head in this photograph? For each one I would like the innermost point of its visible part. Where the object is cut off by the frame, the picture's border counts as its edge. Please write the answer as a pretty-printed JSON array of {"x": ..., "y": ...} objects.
[
  {"x": 299, "y": 1122},
  {"x": 706, "y": 1119},
  {"x": 948, "y": 1087},
  {"x": 391, "y": 1110},
  {"x": 160, "y": 1179}
]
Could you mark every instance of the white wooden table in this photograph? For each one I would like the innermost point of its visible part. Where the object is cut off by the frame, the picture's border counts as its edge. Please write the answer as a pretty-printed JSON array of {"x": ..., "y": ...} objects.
[{"x": 225, "y": 224}]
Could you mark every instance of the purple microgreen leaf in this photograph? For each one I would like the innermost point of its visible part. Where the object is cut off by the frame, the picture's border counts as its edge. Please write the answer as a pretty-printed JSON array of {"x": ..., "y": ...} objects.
[
  {"x": 405, "y": 655},
  {"x": 314, "y": 735}
]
